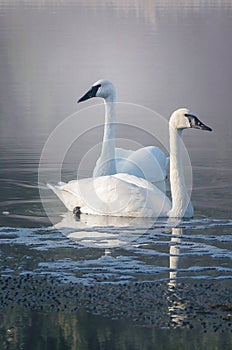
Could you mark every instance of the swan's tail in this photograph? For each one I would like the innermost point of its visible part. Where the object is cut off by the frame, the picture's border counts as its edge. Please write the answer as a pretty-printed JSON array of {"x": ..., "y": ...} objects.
[
  {"x": 67, "y": 197},
  {"x": 57, "y": 191}
]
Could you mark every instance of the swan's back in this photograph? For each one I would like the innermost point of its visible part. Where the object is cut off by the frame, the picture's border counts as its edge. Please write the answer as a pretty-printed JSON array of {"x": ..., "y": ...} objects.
[{"x": 149, "y": 163}]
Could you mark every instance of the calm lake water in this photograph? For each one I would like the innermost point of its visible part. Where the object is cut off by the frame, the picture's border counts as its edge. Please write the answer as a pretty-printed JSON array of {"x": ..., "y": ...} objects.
[{"x": 98, "y": 283}]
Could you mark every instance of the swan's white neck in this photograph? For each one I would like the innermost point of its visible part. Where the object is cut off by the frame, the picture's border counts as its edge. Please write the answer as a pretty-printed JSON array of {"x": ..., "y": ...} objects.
[
  {"x": 106, "y": 163},
  {"x": 181, "y": 205}
]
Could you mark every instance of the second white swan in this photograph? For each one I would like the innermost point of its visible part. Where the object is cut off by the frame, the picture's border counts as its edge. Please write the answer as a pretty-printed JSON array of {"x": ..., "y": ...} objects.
[{"x": 147, "y": 162}]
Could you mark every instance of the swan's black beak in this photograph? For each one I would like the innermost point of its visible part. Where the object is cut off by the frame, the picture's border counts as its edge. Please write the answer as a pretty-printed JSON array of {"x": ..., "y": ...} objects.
[
  {"x": 204, "y": 127},
  {"x": 195, "y": 123},
  {"x": 89, "y": 94}
]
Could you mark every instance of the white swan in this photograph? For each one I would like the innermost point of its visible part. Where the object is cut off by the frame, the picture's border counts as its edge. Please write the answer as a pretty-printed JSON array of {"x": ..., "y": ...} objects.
[
  {"x": 128, "y": 195},
  {"x": 148, "y": 162}
]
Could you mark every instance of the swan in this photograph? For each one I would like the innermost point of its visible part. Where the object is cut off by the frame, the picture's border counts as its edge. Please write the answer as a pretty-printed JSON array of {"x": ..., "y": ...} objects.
[
  {"x": 147, "y": 162},
  {"x": 129, "y": 196}
]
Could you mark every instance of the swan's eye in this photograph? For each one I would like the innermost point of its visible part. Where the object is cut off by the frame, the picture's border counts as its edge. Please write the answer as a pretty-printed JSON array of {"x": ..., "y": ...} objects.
[
  {"x": 197, "y": 122},
  {"x": 193, "y": 120},
  {"x": 189, "y": 119}
]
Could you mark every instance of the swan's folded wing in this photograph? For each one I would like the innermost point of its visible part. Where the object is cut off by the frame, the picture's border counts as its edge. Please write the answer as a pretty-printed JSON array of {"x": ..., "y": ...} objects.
[
  {"x": 151, "y": 201},
  {"x": 137, "y": 181},
  {"x": 148, "y": 162}
]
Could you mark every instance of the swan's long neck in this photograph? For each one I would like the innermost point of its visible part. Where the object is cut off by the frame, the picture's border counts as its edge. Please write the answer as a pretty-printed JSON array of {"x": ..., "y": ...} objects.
[
  {"x": 181, "y": 205},
  {"x": 106, "y": 163}
]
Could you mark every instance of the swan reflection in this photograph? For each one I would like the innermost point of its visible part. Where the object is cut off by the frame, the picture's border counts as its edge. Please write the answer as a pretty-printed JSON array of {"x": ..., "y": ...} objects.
[
  {"x": 174, "y": 256},
  {"x": 107, "y": 233},
  {"x": 176, "y": 304},
  {"x": 103, "y": 231}
]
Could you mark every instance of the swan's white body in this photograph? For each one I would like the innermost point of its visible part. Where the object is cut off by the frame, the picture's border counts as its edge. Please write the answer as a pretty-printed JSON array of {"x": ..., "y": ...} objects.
[
  {"x": 148, "y": 162},
  {"x": 130, "y": 196},
  {"x": 114, "y": 195}
]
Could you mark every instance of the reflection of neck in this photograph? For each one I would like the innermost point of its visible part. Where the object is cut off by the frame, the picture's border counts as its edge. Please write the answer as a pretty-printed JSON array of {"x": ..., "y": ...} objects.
[
  {"x": 174, "y": 256},
  {"x": 181, "y": 205},
  {"x": 106, "y": 164},
  {"x": 177, "y": 305}
]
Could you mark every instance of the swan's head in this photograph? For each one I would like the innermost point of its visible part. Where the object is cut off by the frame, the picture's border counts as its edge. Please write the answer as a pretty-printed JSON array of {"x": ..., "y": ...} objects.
[
  {"x": 183, "y": 119},
  {"x": 102, "y": 88}
]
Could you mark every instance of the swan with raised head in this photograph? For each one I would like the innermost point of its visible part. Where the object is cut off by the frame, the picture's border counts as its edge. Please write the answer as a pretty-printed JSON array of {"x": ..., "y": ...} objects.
[
  {"x": 147, "y": 162},
  {"x": 128, "y": 195}
]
